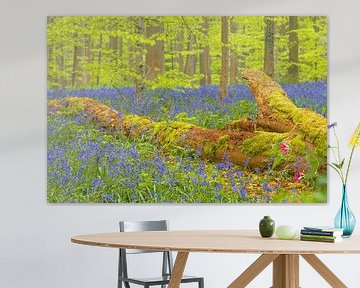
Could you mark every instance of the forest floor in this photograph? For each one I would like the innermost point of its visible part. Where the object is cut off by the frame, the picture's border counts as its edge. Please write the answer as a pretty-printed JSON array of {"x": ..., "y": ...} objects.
[{"x": 88, "y": 165}]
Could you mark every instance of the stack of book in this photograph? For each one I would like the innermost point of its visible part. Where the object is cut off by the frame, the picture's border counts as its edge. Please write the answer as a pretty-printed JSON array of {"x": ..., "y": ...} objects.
[{"x": 321, "y": 234}]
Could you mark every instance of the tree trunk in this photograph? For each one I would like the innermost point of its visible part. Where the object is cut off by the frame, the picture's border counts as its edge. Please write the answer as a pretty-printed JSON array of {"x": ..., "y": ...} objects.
[
  {"x": 190, "y": 66},
  {"x": 224, "y": 58},
  {"x": 121, "y": 47},
  {"x": 114, "y": 47},
  {"x": 99, "y": 58},
  {"x": 205, "y": 56},
  {"x": 316, "y": 30},
  {"x": 155, "y": 57},
  {"x": 305, "y": 130},
  {"x": 78, "y": 52},
  {"x": 81, "y": 55},
  {"x": 244, "y": 53},
  {"x": 60, "y": 64},
  {"x": 234, "y": 62},
  {"x": 281, "y": 32},
  {"x": 293, "y": 50},
  {"x": 269, "y": 37},
  {"x": 86, "y": 77},
  {"x": 180, "y": 49},
  {"x": 139, "y": 59},
  {"x": 50, "y": 57}
]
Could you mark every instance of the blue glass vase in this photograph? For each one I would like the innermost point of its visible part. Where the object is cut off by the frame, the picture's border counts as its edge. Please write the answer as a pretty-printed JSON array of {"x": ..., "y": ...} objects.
[{"x": 345, "y": 219}]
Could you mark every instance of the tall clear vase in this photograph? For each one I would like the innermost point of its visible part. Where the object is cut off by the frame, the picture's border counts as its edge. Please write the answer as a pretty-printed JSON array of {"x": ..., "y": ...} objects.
[{"x": 345, "y": 219}]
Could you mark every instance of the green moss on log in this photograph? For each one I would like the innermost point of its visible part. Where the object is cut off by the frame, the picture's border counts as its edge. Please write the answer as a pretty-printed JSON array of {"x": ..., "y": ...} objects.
[
  {"x": 261, "y": 144},
  {"x": 214, "y": 150},
  {"x": 314, "y": 127},
  {"x": 280, "y": 105},
  {"x": 172, "y": 132}
]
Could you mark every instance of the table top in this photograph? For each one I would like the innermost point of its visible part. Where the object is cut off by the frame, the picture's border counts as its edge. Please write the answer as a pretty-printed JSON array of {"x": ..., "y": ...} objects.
[{"x": 217, "y": 241}]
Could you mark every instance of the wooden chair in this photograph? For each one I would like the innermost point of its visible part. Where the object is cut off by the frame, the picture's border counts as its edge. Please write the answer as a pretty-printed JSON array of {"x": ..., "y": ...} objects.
[{"x": 167, "y": 262}]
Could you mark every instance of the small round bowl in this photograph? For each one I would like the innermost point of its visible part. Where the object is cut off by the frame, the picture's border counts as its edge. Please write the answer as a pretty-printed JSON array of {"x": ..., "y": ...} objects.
[{"x": 285, "y": 232}]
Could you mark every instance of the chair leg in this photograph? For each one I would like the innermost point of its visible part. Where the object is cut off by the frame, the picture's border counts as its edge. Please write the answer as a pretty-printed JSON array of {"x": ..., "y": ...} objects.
[{"x": 201, "y": 283}]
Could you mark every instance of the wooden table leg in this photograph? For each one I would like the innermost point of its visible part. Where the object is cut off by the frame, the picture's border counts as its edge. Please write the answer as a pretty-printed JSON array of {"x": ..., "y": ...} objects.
[
  {"x": 324, "y": 271},
  {"x": 253, "y": 270},
  {"x": 178, "y": 270},
  {"x": 286, "y": 271}
]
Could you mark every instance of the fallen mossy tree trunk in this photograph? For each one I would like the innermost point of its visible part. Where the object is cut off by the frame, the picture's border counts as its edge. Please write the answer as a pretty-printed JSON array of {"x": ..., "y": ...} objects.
[
  {"x": 211, "y": 143},
  {"x": 256, "y": 143},
  {"x": 277, "y": 113}
]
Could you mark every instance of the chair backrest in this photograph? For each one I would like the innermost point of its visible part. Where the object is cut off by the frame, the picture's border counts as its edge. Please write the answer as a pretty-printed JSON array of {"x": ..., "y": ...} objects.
[{"x": 134, "y": 226}]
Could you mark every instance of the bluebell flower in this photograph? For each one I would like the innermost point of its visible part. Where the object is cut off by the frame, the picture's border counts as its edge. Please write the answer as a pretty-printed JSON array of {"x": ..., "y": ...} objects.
[
  {"x": 265, "y": 186},
  {"x": 243, "y": 192},
  {"x": 97, "y": 182},
  {"x": 107, "y": 198},
  {"x": 239, "y": 173},
  {"x": 332, "y": 125}
]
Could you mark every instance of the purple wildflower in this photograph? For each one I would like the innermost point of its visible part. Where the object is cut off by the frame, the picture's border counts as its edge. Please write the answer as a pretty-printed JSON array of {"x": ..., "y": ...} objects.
[{"x": 332, "y": 125}]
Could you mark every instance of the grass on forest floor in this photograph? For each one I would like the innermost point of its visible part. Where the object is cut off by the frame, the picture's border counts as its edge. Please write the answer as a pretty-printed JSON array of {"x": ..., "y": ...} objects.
[{"x": 87, "y": 165}]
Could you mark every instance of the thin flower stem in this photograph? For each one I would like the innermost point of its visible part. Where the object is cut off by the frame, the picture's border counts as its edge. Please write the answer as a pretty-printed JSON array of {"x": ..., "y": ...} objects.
[
  {"x": 338, "y": 145},
  {"x": 337, "y": 159},
  {"x": 351, "y": 156},
  {"x": 337, "y": 171},
  {"x": 334, "y": 154}
]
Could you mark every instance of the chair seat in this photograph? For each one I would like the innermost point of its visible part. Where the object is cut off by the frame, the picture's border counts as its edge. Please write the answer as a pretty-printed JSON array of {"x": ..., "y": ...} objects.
[{"x": 158, "y": 280}]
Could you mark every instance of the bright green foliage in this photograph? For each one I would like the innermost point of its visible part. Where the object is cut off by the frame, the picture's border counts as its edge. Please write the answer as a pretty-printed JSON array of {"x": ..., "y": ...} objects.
[{"x": 109, "y": 51}]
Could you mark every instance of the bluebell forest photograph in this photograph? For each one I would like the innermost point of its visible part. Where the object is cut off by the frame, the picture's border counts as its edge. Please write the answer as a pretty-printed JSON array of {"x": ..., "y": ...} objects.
[{"x": 187, "y": 109}]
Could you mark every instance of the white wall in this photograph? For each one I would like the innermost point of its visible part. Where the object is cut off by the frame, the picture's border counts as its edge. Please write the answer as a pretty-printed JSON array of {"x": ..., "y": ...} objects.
[{"x": 35, "y": 248}]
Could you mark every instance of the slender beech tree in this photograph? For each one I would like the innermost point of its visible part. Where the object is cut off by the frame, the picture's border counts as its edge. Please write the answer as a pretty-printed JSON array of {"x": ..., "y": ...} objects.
[
  {"x": 155, "y": 56},
  {"x": 113, "y": 45},
  {"x": 139, "y": 59},
  {"x": 180, "y": 49},
  {"x": 234, "y": 62},
  {"x": 86, "y": 77},
  {"x": 79, "y": 54},
  {"x": 205, "y": 55},
  {"x": 50, "y": 54},
  {"x": 316, "y": 31},
  {"x": 190, "y": 66},
  {"x": 223, "y": 90},
  {"x": 293, "y": 71},
  {"x": 269, "y": 37}
]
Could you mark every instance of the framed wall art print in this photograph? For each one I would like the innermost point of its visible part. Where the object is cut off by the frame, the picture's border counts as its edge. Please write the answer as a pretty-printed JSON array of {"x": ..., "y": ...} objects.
[{"x": 187, "y": 109}]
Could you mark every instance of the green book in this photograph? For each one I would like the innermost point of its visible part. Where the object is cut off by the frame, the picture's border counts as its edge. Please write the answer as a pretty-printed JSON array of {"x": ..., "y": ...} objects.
[
  {"x": 325, "y": 240},
  {"x": 324, "y": 228},
  {"x": 319, "y": 236}
]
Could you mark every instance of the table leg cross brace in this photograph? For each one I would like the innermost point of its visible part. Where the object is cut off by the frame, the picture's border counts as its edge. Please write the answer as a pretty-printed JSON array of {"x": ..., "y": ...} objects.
[{"x": 253, "y": 270}]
